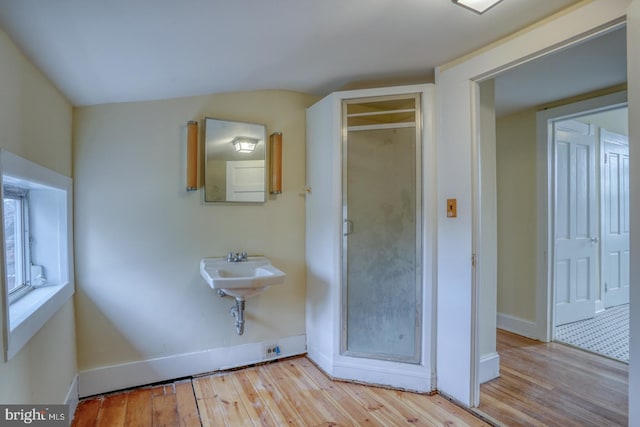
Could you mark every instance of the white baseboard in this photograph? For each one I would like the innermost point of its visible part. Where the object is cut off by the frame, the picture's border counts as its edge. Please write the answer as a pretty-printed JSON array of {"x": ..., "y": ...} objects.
[
  {"x": 489, "y": 367},
  {"x": 518, "y": 326},
  {"x": 127, "y": 375},
  {"x": 321, "y": 359},
  {"x": 405, "y": 376},
  {"x": 73, "y": 398}
]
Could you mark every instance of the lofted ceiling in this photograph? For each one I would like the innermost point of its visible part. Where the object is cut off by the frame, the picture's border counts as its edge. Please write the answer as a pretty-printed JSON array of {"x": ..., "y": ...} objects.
[{"x": 108, "y": 51}]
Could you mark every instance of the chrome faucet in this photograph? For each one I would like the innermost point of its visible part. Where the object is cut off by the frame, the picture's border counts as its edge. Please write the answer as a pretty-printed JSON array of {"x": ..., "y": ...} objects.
[{"x": 237, "y": 257}]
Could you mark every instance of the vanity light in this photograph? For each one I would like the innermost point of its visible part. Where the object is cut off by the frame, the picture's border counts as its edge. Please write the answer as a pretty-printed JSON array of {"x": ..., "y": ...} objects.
[
  {"x": 478, "y": 6},
  {"x": 275, "y": 163},
  {"x": 245, "y": 144},
  {"x": 192, "y": 155}
]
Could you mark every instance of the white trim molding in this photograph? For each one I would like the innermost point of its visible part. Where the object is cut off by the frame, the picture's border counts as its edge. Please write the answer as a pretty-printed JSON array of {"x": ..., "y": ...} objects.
[
  {"x": 397, "y": 375},
  {"x": 633, "y": 69},
  {"x": 489, "y": 367},
  {"x": 111, "y": 378},
  {"x": 519, "y": 326},
  {"x": 403, "y": 376},
  {"x": 73, "y": 398},
  {"x": 50, "y": 204}
]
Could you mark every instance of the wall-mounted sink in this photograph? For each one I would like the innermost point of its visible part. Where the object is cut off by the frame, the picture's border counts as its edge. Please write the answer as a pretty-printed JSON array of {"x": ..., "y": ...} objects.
[{"x": 242, "y": 279}]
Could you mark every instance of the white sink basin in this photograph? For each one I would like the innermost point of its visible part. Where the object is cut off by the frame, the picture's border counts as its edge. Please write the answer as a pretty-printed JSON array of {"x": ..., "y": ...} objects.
[{"x": 240, "y": 279}]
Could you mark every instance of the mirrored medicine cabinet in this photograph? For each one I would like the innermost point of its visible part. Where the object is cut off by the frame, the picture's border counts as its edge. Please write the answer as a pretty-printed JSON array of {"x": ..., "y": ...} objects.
[{"x": 234, "y": 161}]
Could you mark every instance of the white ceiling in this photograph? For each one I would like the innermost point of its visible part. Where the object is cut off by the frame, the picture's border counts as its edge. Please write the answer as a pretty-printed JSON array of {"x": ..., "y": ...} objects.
[
  {"x": 595, "y": 64},
  {"x": 103, "y": 51}
]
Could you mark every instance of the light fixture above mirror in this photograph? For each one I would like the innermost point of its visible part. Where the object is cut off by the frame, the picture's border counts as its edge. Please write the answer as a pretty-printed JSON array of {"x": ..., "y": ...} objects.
[
  {"x": 478, "y": 6},
  {"x": 245, "y": 144}
]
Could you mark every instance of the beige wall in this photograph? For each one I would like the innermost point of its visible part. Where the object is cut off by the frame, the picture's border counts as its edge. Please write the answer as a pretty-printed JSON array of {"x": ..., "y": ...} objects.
[
  {"x": 140, "y": 235},
  {"x": 516, "y": 184},
  {"x": 35, "y": 123}
]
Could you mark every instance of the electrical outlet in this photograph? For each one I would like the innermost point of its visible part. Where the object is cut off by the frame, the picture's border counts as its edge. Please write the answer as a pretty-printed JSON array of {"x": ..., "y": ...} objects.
[{"x": 271, "y": 351}]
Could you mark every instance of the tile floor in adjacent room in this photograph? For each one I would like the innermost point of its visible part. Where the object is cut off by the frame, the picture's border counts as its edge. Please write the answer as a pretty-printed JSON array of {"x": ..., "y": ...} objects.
[{"x": 607, "y": 333}]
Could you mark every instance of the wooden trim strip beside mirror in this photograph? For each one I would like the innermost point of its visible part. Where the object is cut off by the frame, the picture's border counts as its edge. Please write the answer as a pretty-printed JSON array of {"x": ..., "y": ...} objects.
[
  {"x": 275, "y": 165},
  {"x": 192, "y": 155}
]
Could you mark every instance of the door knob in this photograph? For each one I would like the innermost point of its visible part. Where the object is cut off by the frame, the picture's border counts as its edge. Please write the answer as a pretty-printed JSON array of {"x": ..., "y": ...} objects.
[{"x": 594, "y": 240}]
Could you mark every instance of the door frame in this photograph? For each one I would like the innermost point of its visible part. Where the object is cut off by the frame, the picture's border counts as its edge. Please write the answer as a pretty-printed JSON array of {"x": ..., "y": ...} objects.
[
  {"x": 545, "y": 180},
  {"x": 457, "y": 244},
  {"x": 419, "y": 333}
]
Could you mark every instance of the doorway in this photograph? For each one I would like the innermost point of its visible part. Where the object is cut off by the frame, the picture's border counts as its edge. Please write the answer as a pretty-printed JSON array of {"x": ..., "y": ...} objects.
[
  {"x": 523, "y": 304},
  {"x": 459, "y": 329},
  {"x": 524, "y": 293},
  {"x": 589, "y": 199}
]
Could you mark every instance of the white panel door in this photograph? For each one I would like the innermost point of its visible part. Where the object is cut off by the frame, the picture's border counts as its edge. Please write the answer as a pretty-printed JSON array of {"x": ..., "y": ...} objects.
[
  {"x": 615, "y": 230},
  {"x": 245, "y": 181},
  {"x": 576, "y": 222}
]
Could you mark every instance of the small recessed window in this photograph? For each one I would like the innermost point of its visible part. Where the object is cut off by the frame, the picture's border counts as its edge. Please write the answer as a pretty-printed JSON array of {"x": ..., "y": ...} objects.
[
  {"x": 16, "y": 240},
  {"x": 37, "y": 247}
]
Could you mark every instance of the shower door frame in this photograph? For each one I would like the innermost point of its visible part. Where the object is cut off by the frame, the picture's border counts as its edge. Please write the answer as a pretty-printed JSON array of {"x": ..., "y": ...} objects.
[
  {"x": 419, "y": 253},
  {"x": 323, "y": 246}
]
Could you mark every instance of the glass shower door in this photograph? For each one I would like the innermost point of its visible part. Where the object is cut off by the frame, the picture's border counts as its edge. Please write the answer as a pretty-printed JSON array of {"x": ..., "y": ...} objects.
[{"x": 382, "y": 244}]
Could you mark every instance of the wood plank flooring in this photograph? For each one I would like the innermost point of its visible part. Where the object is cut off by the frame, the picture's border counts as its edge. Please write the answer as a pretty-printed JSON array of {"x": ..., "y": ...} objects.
[
  {"x": 290, "y": 392},
  {"x": 541, "y": 384},
  {"x": 551, "y": 384},
  {"x": 166, "y": 405}
]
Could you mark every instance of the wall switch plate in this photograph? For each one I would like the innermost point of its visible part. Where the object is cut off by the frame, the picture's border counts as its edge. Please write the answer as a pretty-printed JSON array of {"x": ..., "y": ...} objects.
[{"x": 452, "y": 208}]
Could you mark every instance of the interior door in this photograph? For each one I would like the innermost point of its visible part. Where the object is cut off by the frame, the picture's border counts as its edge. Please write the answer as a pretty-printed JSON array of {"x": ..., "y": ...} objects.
[
  {"x": 576, "y": 221},
  {"x": 245, "y": 181},
  {"x": 615, "y": 231}
]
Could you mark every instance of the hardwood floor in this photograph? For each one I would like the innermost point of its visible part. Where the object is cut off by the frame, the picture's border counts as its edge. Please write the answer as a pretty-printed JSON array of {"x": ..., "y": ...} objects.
[
  {"x": 290, "y": 392},
  {"x": 171, "y": 404},
  {"x": 541, "y": 384},
  {"x": 551, "y": 384}
]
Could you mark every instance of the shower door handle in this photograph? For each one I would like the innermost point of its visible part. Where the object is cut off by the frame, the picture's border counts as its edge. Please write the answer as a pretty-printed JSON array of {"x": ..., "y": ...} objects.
[{"x": 348, "y": 227}]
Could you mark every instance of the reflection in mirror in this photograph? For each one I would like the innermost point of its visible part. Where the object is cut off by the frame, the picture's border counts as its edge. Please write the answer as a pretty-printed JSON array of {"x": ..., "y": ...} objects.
[{"x": 234, "y": 166}]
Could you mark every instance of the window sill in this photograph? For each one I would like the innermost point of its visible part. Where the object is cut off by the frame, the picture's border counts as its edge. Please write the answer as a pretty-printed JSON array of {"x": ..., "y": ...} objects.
[{"x": 28, "y": 314}]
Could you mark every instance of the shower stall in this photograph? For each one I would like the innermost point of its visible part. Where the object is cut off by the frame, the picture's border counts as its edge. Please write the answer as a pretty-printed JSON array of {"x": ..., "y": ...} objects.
[{"x": 369, "y": 241}]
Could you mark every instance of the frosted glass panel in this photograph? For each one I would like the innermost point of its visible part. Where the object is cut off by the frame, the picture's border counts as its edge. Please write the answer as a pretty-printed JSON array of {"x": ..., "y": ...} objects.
[{"x": 382, "y": 264}]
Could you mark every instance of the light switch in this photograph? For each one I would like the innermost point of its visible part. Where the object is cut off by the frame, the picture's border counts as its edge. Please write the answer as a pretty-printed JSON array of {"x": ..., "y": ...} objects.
[{"x": 452, "y": 208}]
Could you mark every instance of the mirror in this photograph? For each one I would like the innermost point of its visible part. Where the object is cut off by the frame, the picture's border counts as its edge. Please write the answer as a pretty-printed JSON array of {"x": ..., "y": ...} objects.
[{"x": 234, "y": 161}]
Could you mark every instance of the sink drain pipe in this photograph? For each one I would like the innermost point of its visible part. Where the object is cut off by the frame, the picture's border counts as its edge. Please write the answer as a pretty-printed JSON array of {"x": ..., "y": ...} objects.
[{"x": 237, "y": 311}]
